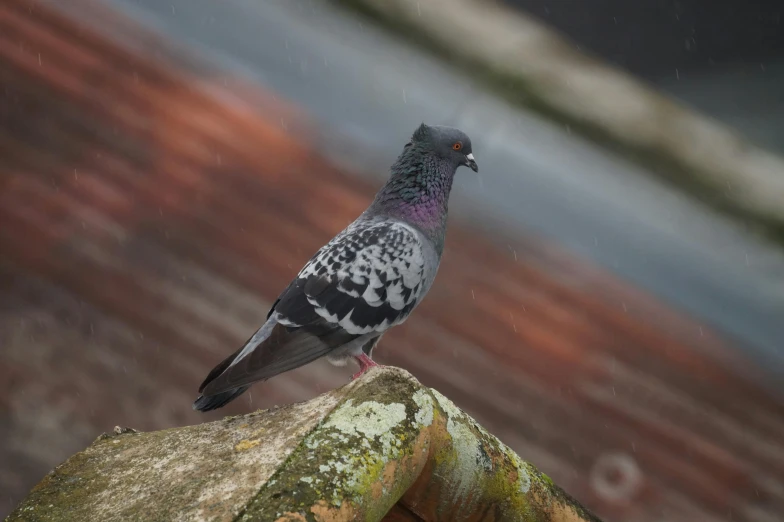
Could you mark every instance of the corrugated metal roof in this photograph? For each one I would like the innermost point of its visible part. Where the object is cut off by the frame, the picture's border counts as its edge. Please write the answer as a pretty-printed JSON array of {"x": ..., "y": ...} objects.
[{"x": 151, "y": 209}]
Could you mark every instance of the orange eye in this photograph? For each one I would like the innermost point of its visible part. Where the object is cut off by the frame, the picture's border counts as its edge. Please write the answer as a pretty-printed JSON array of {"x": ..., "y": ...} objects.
[{"x": 457, "y": 146}]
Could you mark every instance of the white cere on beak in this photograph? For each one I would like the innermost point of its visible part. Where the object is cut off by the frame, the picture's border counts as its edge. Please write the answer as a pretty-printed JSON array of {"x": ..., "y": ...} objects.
[{"x": 470, "y": 157}]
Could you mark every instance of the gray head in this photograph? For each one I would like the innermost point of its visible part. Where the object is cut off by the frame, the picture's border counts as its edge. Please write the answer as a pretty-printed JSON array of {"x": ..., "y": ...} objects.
[{"x": 448, "y": 143}]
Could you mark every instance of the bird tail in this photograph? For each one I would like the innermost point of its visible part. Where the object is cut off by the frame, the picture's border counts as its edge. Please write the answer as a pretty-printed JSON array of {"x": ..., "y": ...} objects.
[
  {"x": 212, "y": 402},
  {"x": 272, "y": 350}
]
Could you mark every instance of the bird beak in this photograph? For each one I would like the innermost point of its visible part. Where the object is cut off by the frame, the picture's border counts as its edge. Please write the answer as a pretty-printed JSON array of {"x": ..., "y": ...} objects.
[{"x": 471, "y": 163}]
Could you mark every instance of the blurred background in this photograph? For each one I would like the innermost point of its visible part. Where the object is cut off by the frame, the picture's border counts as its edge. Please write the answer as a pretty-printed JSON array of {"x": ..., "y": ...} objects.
[{"x": 167, "y": 167}]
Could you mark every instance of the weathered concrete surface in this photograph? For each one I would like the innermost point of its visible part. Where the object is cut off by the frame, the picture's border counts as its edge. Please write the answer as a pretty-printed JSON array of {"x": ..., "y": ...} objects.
[
  {"x": 203, "y": 472},
  {"x": 355, "y": 453}
]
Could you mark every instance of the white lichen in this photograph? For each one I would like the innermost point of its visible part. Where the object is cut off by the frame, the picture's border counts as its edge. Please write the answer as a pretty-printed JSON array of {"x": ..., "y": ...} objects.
[
  {"x": 371, "y": 419},
  {"x": 424, "y": 413},
  {"x": 448, "y": 406},
  {"x": 360, "y": 437},
  {"x": 466, "y": 450},
  {"x": 523, "y": 476},
  {"x": 524, "y": 480}
]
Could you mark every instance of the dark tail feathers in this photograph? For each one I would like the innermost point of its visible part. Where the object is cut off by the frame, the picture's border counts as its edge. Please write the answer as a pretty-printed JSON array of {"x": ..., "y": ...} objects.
[{"x": 212, "y": 402}]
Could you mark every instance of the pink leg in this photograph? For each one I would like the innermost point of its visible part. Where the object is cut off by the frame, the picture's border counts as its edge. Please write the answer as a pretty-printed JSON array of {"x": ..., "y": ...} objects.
[{"x": 365, "y": 363}]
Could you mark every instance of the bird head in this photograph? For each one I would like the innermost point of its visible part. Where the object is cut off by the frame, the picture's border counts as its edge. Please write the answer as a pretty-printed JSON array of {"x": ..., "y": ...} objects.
[{"x": 449, "y": 143}]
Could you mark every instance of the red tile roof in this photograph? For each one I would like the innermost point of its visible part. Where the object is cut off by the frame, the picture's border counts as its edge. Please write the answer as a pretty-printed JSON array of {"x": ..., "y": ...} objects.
[{"x": 151, "y": 208}]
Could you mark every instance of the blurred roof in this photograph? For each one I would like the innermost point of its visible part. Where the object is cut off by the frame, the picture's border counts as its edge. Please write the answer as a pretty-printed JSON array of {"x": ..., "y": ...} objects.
[
  {"x": 151, "y": 207},
  {"x": 653, "y": 40}
]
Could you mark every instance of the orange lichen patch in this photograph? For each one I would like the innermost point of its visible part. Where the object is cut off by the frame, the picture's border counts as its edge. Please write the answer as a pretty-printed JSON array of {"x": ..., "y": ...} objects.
[
  {"x": 247, "y": 444},
  {"x": 556, "y": 511},
  {"x": 390, "y": 470},
  {"x": 377, "y": 489},
  {"x": 389, "y": 477},
  {"x": 327, "y": 513}
]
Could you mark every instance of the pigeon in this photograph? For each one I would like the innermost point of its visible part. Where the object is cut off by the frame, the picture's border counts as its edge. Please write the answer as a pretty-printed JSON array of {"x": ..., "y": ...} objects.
[{"x": 366, "y": 280}]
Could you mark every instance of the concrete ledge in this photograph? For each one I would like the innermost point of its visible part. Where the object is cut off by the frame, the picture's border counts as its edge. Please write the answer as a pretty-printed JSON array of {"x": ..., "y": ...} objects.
[
  {"x": 381, "y": 448},
  {"x": 531, "y": 64}
]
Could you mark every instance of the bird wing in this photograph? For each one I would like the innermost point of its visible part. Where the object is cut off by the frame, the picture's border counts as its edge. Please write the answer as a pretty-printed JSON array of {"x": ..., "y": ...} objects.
[
  {"x": 367, "y": 279},
  {"x": 273, "y": 350}
]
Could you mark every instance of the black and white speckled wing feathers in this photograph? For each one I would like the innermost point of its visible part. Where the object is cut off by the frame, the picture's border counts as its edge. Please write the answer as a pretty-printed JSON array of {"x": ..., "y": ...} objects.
[{"x": 367, "y": 279}]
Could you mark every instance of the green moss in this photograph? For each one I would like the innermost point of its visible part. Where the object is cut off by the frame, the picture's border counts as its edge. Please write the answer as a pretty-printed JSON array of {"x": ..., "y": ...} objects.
[
  {"x": 61, "y": 495},
  {"x": 516, "y": 489},
  {"x": 346, "y": 464},
  {"x": 354, "y": 465},
  {"x": 92, "y": 483},
  {"x": 519, "y": 90},
  {"x": 482, "y": 461}
]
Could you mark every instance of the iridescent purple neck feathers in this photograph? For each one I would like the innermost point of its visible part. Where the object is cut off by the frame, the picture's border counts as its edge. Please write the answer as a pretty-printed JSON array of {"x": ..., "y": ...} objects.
[
  {"x": 418, "y": 189},
  {"x": 418, "y": 192}
]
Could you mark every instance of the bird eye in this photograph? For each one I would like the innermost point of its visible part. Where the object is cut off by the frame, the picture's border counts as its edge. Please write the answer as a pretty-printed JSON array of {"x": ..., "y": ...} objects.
[{"x": 457, "y": 146}]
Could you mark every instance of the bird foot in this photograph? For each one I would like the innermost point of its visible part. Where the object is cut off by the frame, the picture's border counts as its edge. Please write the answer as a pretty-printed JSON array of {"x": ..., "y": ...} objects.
[{"x": 365, "y": 363}]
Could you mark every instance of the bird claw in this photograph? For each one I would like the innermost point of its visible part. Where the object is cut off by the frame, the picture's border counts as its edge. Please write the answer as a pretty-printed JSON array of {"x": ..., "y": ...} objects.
[{"x": 365, "y": 363}]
